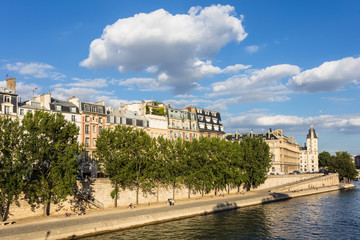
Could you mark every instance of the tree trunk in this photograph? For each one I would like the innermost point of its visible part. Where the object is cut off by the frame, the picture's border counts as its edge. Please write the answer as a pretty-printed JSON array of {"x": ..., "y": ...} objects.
[
  {"x": 157, "y": 193},
  {"x": 189, "y": 192},
  {"x": 137, "y": 194},
  {"x": 173, "y": 191},
  {"x": 116, "y": 198},
  {"x": 7, "y": 209},
  {"x": 238, "y": 188},
  {"x": 229, "y": 188},
  {"x": 203, "y": 188}
]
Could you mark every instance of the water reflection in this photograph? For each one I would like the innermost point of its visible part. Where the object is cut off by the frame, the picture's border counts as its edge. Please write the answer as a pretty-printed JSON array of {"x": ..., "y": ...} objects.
[{"x": 332, "y": 215}]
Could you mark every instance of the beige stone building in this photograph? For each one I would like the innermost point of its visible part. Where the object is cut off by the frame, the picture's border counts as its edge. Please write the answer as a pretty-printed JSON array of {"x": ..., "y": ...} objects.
[
  {"x": 285, "y": 151},
  {"x": 9, "y": 99},
  {"x": 309, "y": 154},
  {"x": 155, "y": 114},
  {"x": 182, "y": 124}
]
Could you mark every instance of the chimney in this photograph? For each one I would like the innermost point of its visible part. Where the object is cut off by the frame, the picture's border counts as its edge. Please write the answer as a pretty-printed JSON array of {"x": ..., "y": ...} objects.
[
  {"x": 11, "y": 83},
  {"x": 252, "y": 133}
]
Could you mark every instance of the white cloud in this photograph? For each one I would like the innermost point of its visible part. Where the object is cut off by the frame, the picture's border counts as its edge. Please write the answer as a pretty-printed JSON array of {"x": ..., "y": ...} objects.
[
  {"x": 339, "y": 99},
  {"x": 294, "y": 124},
  {"x": 144, "y": 84},
  {"x": 84, "y": 94},
  {"x": 172, "y": 43},
  {"x": 235, "y": 68},
  {"x": 256, "y": 85},
  {"x": 89, "y": 83},
  {"x": 252, "y": 49},
  {"x": 329, "y": 76},
  {"x": 34, "y": 69}
]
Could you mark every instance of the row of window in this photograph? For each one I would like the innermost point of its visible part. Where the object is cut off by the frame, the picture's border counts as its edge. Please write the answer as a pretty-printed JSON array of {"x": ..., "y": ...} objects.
[
  {"x": 94, "y": 109},
  {"x": 87, "y": 142},
  {"x": 87, "y": 129},
  {"x": 87, "y": 119},
  {"x": 186, "y": 135}
]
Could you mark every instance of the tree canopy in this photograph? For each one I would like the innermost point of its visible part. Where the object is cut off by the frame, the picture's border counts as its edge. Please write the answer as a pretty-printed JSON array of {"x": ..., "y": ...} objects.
[
  {"x": 343, "y": 164},
  {"x": 52, "y": 149},
  {"x": 131, "y": 158},
  {"x": 13, "y": 164},
  {"x": 324, "y": 159}
]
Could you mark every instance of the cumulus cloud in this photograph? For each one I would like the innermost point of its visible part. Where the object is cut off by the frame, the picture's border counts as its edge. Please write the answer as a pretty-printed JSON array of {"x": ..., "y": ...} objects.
[
  {"x": 256, "y": 85},
  {"x": 252, "y": 49},
  {"x": 34, "y": 69},
  {"x": 294, "y": 124},
  {"x": 235, "y": 68},
  {"x": 84, "y": 94},
  {"x": 144, "y": 84},
  {"x": 176, "y": 45},
  {"x": 89, "y": 83},
  {"x": 329, "y": 76}
]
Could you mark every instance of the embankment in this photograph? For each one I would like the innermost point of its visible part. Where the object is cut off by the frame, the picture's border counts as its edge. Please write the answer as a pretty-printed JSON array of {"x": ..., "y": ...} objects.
[{"x": 108, "y": 220}]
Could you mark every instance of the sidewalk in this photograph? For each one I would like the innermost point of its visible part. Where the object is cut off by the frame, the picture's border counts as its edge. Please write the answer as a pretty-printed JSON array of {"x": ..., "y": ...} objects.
[{"x": 59, "y": 226}]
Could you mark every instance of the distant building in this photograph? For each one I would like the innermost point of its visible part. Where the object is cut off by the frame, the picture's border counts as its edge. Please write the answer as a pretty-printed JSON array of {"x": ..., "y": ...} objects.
[
  {"x": 284, "y": 150},
  {"x": 155, "y": 113},
  {"x": 9, "y": 99},
  {"x": 92, "y": 121},
  {"x": 357, "y": 161},
  {"x": 209, "y": 122},
  {"x": 126, "y": 118},
  {"x": 182, "y": 124},
  {"x": 309, "y": 154}
]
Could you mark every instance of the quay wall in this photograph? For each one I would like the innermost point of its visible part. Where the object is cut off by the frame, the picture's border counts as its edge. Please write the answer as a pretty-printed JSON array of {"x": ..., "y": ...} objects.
[{"x": 100, "y": 189}]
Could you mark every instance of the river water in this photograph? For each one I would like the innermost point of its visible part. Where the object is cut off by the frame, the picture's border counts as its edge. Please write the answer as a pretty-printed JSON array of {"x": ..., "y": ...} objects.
[{"x": 334, "y": 215}]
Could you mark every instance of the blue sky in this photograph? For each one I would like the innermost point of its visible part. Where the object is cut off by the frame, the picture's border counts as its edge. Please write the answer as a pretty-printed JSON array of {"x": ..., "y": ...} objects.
[{"x": 262, "y": 64}]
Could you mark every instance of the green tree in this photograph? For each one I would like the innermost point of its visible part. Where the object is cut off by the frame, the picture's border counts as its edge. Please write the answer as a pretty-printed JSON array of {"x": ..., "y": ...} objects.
[
  {"x": 128, "y": 158},
  {"x": 343, "y": 164},
  {"x": 257, "y": 161},
  {"x": 324, "y": 159},
  {"x": 51, "y": 146},
  {"x": 13, "y": 164}
]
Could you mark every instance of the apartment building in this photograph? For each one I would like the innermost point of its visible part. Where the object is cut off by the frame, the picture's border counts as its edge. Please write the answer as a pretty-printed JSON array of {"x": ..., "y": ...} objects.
[
  {"x": 285, "y": 151},
  {"x": 182, "y": 124},
  {"x": 209, "y": 122},
  {"x": 155, "y": 114},
  {"x": 9, "y": 99},
  {"x": 92, "y": 121},
  {"x": 126, "y": 118}
]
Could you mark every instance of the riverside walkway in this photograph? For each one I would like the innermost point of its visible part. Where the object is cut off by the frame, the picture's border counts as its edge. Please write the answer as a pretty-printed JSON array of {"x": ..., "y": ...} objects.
[{"x": 60, "y": 227}]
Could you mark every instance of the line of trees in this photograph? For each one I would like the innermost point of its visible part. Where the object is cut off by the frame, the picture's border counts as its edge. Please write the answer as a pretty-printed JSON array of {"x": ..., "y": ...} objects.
[
  {"x": 37, "y": 158},
  {"x": 341, "y": 163},
  {"x": 132, "y": 159}
]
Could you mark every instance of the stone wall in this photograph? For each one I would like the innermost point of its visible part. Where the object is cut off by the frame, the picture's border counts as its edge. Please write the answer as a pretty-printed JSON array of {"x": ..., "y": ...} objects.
[{"x": 100, "y": 189}]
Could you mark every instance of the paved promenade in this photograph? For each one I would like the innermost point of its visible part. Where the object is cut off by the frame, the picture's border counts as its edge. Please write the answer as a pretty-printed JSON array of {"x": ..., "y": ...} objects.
[{"x": 59, "y": 227}]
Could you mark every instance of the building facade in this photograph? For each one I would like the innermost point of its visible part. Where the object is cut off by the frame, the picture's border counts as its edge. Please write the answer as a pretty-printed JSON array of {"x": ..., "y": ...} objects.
[
  {"x": 309, "y": 154},
  {"x": 182, "y": 124},
  {"x": 92, "y": 122},
  {"x": 284, "y": 150},
  {"x": 155, "y": 114},
  {"x": 209, "y": 122},
  {"x": 126, "y": 118},
  {"x": 9, "y": 99}
]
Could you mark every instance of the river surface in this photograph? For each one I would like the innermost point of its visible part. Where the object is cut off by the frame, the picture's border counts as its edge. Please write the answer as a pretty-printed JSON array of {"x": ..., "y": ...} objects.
[{"x": 334, "y": 215}]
